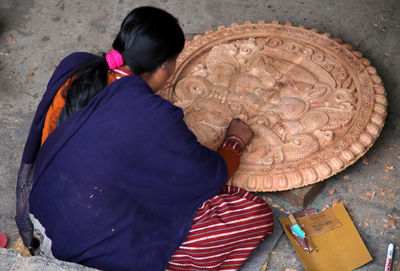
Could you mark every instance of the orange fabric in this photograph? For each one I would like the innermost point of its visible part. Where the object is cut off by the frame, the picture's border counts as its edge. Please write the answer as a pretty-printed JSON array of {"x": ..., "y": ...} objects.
[
  {"x": 232, "y": 160},
  {"x": 50, "y": 123}
]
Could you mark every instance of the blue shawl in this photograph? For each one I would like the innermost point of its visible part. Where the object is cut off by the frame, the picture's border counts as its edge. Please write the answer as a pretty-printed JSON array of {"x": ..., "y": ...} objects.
[{"x": 116, "y": 185}]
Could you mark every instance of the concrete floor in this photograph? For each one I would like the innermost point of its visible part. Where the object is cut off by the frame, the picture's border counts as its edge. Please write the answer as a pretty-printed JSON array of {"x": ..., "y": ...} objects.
[{"x": 36, "y": 34}]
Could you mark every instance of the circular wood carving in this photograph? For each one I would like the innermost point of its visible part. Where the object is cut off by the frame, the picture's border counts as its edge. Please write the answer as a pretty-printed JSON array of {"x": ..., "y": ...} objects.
[{"x": 315, "y": 104}]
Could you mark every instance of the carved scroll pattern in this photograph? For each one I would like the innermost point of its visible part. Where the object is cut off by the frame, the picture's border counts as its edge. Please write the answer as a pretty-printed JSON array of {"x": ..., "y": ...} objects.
[{"x": 314, "y": 104}]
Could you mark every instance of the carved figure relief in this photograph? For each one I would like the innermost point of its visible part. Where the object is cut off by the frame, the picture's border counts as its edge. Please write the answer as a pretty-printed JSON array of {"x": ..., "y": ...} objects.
[{"x": 314, "y": 104}]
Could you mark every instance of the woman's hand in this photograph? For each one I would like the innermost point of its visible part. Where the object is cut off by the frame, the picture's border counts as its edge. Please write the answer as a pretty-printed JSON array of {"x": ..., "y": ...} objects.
[{"x": 240, "y": 129}]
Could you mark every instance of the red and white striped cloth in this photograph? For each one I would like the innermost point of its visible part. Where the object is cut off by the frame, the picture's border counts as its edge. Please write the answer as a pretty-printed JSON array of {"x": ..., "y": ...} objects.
[{"x": 225, "y": 230}]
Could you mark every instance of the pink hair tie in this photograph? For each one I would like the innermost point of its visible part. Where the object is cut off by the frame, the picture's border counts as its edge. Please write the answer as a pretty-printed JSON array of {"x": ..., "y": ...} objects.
[{"x": 114, "y": 59}]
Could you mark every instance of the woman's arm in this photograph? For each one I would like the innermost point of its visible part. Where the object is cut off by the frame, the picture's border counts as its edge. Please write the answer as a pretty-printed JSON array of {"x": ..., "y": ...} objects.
[{"x": 237, "y": 137}]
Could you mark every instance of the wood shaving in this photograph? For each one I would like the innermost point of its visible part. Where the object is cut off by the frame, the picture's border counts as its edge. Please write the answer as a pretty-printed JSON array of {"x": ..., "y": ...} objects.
[
  {"x": 325, "y": 207},
  {"x": 369, "y": 195},
  {"x": 388, "y": 167},
  {"x": 391, "y": 148},
  {"x": 11, "y": 38},
  {"x": 369, "y": 220}
]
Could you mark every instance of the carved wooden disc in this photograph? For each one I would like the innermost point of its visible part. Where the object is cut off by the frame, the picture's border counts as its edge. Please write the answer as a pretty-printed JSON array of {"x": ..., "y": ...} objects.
[{"x": 315, "y": 105}]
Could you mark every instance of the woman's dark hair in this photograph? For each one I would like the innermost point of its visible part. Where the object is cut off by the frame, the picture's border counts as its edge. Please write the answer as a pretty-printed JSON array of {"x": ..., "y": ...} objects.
[{"x": 148, "y": 37}]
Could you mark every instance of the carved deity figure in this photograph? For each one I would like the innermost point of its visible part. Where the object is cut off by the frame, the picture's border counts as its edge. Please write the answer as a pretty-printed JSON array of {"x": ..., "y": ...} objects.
[{"x": 293, "y": 112}]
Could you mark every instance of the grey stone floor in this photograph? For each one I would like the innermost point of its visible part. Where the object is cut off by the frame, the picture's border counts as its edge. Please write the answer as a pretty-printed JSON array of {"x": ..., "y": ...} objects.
[{"x": 36, "y": 34}]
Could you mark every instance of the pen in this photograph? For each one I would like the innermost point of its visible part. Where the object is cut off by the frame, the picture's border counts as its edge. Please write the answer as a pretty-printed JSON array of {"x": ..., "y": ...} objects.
[
  {"x": 389, "y": 257},
  {"x": 299, "y": 234}
]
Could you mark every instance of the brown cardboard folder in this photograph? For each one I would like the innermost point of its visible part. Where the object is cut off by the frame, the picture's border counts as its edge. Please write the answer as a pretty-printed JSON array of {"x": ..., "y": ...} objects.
[{"x": 339, "y": 245}]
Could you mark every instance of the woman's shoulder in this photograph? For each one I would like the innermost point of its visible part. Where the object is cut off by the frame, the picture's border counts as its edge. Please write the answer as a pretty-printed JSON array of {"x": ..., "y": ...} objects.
[
  {"x": 70, "y": 64},
  {"x": 140, "y": 91},
  {"x": 134, "y": 95},
  {"x": 77, "y": 58}
]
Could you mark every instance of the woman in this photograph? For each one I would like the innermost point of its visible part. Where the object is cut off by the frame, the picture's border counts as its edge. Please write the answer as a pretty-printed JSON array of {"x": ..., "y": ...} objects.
[{"x": 112, "y": 178}]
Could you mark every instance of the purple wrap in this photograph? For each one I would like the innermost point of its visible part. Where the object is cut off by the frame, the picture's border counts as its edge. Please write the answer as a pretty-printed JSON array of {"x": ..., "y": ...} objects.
[{"x": 116, "y": 186}]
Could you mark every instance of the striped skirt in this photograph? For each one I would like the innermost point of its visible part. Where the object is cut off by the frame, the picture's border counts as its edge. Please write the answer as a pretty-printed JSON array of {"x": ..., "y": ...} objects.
[{"x": 225, "y": 230}]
